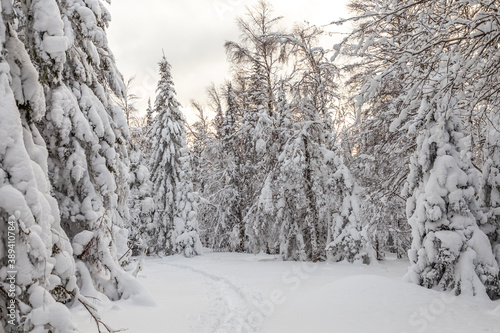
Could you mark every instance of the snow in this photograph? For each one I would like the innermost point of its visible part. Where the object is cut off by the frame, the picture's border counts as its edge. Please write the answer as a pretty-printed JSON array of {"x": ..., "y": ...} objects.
[
  {"x": 48, "y": 23},
  {"x": 81, "y": 240},
  {"x": 55, "y": 44},
  {"x": 229, "y": 292}
]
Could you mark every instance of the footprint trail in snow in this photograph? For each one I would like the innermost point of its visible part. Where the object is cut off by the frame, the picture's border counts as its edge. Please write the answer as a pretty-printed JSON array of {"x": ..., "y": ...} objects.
[{"x": 236, "y": 309}]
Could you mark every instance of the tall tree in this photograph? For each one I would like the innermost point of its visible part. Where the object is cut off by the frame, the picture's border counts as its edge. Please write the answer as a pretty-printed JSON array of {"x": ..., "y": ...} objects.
[
  {"x": 175, "y": 225},
  {"x": 259, "y": 54},
  {"x": 86, "y": 133},
  {"x": 258, "y": 62},
  {"x": 37, "y": 266},
  {"x": 379, "y": 155},
  {"x": 223, "y": 216}
]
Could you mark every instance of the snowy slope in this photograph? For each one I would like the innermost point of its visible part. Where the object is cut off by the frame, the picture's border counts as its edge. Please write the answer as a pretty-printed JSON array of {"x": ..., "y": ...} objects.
[{"x": 228, "y": 292}]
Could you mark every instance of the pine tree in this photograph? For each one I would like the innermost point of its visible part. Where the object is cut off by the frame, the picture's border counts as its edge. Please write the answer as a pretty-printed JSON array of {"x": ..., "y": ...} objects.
[
  {"x": 175, "y": 226},
  {"x": 149, "y": 114},
  {"x": 145, "y": 143}
]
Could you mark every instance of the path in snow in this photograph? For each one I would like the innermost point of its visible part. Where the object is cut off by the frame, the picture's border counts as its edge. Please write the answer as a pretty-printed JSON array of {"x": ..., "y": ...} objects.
[{"x": 233, "y": 308}]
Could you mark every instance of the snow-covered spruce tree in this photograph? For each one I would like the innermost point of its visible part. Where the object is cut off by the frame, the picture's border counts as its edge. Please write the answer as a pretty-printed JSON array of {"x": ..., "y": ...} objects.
[
  {"x": 175, "y": 226},
  {"x": 35, "y": 254},
  {"x": 86, "y": 134},
  {"x": 349, "y": 236},
  {"x": 490, "y": 185},
  {"x": 307, "y": 208},
  {"x": 140, "y": 202},
  {"x": 267, "y": 217},
  {"x": 199, "y": 137},
  {"x": 150, "y": 114},
  {"x": 222, "y": 217},
  {"x": 449, "y": 251}
]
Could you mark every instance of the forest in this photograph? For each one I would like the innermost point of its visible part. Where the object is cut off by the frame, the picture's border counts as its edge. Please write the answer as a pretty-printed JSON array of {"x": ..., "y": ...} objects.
[{"x": 383, "y": 146}]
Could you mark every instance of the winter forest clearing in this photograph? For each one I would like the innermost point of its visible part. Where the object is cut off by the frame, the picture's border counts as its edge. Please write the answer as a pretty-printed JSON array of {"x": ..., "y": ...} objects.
[
  {"x": 230, "y": 292},
  {"x": 335, "y": 181}
]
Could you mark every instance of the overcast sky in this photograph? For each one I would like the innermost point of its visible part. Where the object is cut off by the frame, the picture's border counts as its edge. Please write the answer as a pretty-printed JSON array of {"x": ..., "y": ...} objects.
[{"x": 192, "y": 34}]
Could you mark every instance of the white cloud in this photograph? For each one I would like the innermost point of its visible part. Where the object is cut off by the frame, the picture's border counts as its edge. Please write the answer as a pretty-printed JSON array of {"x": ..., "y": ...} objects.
[{"x": 192, "y": 34}]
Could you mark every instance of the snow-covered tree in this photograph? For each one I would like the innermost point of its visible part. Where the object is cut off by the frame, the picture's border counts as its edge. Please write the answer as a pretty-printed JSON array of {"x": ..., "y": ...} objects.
[
  {"x": 308, "y": 206},
  {"x": 349, "y": 236},
  {"x": 37, "y": 271},
  {"x": 449, "y": 251},
  {"x": 199, "y": 137},
  {"x": 402, "y": 44},
  {"x": 257, "y": 61},
  {"x": 267, "y": 219},
  {"x": 150, "y": 114},
  {"x": 175, "y": 226},
  {"x": 222, "y": 217},
  {"x": 378, "y": 155},
  {"x": 275, "y": 170},
  {"x": 317, "y": 76},
  {"x": 141, "y": 204},
  {"x": 85, "y": 132},
  {"x": 127, "y": 102},
  {"x": 490, "y": 185}
]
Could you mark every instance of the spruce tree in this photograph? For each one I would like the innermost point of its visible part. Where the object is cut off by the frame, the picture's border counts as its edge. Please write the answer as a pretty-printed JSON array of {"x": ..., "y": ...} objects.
[
  {"x": 349, "y": 235},
  {"x": 37, "y": 269},
  {"x": 223, "y": 217},
  {"x": 490, "y": 185},
  {"x": 175, "y": 226},
  {"x": 449, "y": 251},
  {"x": 141, "y": 204},
  {"x": 86, "y": 134}
]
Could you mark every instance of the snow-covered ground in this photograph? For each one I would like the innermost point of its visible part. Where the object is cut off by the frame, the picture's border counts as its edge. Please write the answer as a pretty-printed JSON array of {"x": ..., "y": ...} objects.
[{"x": 231, "y": 293}]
